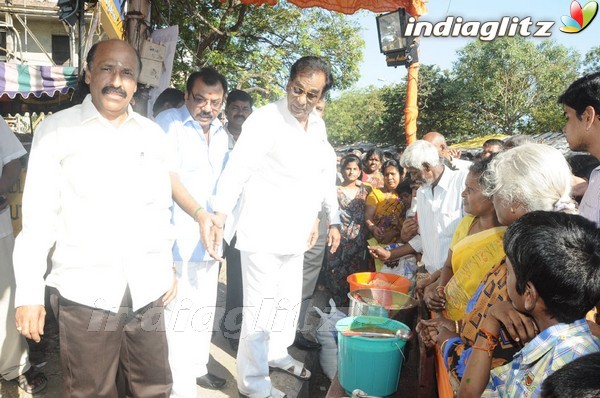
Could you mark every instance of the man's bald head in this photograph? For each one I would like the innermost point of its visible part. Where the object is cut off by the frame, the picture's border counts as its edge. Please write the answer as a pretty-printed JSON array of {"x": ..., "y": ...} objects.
[{"x": 439, "y": 142}]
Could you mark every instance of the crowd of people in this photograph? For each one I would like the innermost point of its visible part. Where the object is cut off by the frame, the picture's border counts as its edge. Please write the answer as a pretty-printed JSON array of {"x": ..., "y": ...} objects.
[{"x": 137, "y": 217}]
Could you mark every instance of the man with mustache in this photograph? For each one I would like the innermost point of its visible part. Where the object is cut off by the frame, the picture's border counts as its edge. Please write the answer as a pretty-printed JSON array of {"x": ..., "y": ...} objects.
[
  {"x": 99, "y": 187},
  {"x": 439, "y": 204},
  {"x": 282, "y": 195},
  {"x": 201, "y": 145},
  {"x": 237, "y": 109}
]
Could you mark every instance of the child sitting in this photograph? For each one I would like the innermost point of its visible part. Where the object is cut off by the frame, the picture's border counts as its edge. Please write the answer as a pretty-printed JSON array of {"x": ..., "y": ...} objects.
[{"x": 553, "y": 280}]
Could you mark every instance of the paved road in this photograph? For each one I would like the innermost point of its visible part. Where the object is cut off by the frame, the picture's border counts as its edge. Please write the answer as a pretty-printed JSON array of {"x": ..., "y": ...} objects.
[{"x": 222, "y": 363}]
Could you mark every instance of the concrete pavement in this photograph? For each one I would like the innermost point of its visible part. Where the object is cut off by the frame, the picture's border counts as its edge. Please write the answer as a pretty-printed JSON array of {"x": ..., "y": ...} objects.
[{"x": 222, "y": 363}]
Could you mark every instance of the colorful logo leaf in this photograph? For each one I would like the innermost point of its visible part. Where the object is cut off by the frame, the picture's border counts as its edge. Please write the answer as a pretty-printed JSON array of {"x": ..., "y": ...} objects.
[{"x": 580, "y": 17}]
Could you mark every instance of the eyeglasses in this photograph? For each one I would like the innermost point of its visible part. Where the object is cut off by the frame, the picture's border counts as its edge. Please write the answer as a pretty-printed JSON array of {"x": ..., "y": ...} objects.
[
  {"x": 201, "y": 102},
  {"x": 310, "y": 96}
]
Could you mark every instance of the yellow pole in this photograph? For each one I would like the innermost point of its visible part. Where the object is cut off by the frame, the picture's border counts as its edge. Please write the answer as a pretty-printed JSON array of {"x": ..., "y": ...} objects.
[{"x": 411, "y": 111}]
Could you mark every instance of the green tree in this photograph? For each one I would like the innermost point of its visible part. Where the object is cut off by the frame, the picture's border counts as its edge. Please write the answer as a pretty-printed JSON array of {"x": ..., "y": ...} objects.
[
  {"x": 255, "y": 46},
  {"x": 354, "y": 116},
  {"x": 509, "y": 85},
  {"x": 556, "y": 69},
  {"x": 439, "y": 102},
  {"x": 592, "y": 61},
  {"x": 390, "y": 129}
]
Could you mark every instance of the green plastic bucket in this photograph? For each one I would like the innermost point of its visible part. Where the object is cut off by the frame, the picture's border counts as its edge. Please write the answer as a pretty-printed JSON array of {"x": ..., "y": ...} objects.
[{"x": 370, "y": 364}]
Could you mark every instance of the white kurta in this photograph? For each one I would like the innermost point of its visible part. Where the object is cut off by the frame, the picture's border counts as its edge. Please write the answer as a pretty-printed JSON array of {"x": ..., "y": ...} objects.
[
  {"x": 199, "y": 163},
  {"x": 439, "y": 211},
  {"x": 102, "y": 194},
  {"x": 285, "y": 173}
]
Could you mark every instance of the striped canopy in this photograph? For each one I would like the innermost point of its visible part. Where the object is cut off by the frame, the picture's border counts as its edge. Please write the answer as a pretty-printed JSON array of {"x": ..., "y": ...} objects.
[
  {"x": 37, "y": 80},
  {"x": 413, "y": 7}
]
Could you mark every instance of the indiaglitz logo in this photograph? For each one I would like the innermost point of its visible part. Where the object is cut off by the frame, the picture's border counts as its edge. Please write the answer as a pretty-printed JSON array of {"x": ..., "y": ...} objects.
[
  {"x": 485, "y": 31},
  {"x": 580, "y": 17}
]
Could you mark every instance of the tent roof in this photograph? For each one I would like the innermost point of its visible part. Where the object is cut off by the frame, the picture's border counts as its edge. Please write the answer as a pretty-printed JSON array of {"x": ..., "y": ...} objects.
[
  {"x": 37, "y": 80},
  {"x": 413, "y": 7}
]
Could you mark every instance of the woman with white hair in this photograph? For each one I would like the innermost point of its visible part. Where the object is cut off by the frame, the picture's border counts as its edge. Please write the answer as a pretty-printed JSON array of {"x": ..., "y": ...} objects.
[
  {"x": 527, "y": 178},
  {"x": 523, "y": 179}
]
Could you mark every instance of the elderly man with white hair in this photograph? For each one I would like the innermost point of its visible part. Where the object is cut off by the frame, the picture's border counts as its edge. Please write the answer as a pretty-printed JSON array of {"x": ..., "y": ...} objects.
[{"x": 439, "y": 203}]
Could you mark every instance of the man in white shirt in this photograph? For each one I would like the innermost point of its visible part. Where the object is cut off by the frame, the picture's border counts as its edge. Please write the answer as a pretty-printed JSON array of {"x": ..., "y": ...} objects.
[
  {"x": 200, "y": 144},
  {"x": 439, "y": 203},
  {"x": 450, "y": 155},
  {"x": 285, "y": 168},
  {"x": 14, "y": 361},
  {"x": 99, "y": 187}
]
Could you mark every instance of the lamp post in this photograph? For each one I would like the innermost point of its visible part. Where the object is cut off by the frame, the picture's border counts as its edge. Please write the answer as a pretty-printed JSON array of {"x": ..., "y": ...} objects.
[{"x": 401, "y": 50}]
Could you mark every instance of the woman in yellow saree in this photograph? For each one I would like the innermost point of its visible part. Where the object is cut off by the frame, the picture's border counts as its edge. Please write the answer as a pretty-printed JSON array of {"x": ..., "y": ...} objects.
[{"x": 475, "y": 249}]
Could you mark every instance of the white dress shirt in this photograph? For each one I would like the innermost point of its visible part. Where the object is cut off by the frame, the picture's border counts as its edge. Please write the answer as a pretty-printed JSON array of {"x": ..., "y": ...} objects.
[
  {"x": 590, "y": 203},
  {"x": 10, "y": 149},
  {"x": 461, "y": 164},
  {"x": 101, "y": 194},
  {"x": 439, "y": 211},
  {"x": 285, "y": 173},
  {"x": 199, "y": 164}
]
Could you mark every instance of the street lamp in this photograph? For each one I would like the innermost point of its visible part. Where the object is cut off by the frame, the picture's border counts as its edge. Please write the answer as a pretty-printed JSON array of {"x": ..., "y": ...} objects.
[
  {"x": 398, "y": 49},
  {"x": 401, "y": 50}
]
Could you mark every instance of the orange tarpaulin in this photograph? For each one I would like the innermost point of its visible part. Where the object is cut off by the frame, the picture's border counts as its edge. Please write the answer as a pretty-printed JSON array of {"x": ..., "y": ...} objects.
[{"x": 413, "y": 7}]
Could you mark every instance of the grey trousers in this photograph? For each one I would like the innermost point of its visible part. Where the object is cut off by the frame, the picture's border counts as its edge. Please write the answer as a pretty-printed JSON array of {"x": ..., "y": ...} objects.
[
  {"x": 99, "y": 347},
  {"x": 313, "y": 260}
]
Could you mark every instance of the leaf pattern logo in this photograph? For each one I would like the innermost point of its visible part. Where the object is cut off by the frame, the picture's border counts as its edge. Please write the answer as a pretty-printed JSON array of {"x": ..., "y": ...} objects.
[{"x": 580, "y": 17}]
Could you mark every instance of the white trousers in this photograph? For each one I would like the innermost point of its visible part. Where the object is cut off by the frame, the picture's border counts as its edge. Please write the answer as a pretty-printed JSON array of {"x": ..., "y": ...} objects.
[
  {"x": 189, "y": 321},
  {"x": 14, "y": 358},
  {"x": 272, "y": 286}
]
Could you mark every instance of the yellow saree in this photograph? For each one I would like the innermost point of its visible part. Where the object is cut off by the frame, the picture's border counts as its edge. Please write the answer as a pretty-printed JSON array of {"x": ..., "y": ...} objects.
[{"x": 473, "y": 256}]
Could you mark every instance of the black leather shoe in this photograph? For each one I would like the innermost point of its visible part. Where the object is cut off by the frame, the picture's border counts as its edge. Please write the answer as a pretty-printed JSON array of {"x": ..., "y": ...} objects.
[
  {"x": 305, "y": 344},
  {"x": 210, "y": 381}
]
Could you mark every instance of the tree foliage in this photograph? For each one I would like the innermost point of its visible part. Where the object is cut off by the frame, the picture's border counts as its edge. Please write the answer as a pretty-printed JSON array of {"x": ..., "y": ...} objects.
[
  {"x": 438, "y": 97},
  {"x": 592, "y": 61},
  {"x": 255, "y": 46},
  {"x": 506, "y": 86},
  {"x": 354, "y": 114},
  {"x": 510, "y": 85}
]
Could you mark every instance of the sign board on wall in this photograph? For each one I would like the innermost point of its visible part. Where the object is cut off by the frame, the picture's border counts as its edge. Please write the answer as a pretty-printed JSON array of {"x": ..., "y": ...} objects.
[{"x": 152, "y": 55}]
